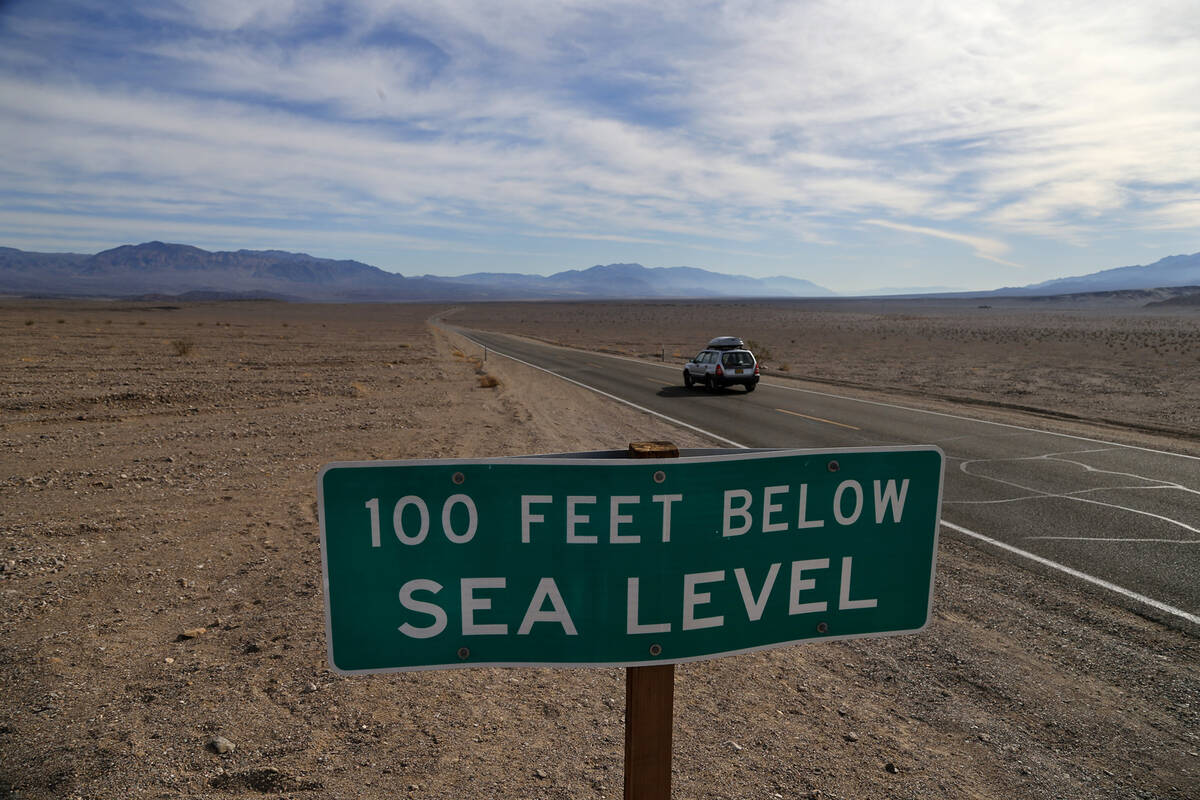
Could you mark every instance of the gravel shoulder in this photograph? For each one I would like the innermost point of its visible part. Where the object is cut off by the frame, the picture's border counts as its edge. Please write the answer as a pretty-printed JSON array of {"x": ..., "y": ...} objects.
[{"x": 161, "y": 587}]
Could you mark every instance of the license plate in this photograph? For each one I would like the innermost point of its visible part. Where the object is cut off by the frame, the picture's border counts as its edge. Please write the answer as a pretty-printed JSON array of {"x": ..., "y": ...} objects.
[{"x": 739, "y": 372}]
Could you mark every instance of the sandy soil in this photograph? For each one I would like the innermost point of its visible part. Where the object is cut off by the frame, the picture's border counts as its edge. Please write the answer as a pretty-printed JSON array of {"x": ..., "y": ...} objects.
[
  {"x": 160, "y": 586},
  {"x": 1127, "y": 368}
]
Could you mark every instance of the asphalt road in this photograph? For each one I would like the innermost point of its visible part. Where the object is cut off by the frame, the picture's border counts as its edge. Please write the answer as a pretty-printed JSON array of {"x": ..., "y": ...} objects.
[{"x": 1122, "y": 520}]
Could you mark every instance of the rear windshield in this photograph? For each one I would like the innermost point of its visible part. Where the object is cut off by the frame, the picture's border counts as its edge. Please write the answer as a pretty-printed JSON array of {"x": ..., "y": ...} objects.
[{"x": 738, "y": 358}]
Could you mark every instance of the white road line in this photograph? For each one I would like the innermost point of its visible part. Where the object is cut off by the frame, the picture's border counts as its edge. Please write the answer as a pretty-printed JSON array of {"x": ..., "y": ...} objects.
[
  {"x": 1107, "y": 539},
  {"x": 985, "y": 421},
  {"x": 996, "y": 502},
  {"x": 1043, "y": 496},
  {"x": 1072, "y": 495},
  {"x": 672, "y": 420},
  {"x": 1083, "y": 576},
  {"x": 1089, "y": 468},
  {"x": 1169, "y": 487}
]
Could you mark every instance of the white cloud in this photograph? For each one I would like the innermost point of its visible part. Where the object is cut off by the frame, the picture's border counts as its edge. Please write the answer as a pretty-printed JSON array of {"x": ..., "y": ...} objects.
[
  {"x": 990, "y": 249},
  {"x": 746, "y": 127},
  {"x": 231, "y": 15}
]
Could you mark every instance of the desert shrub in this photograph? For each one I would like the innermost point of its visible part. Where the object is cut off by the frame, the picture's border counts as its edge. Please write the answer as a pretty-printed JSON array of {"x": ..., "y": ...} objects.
[
  {"x": 488, "y": 382},
  {"x": 760, "y": 351},
  {"x": 28, "y": 322},
  {"x": 358, "y": 389},
  {"x": 181, "y": 347}
]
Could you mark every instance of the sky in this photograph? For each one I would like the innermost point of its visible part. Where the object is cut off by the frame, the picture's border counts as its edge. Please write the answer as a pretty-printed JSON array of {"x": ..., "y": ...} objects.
[{"x": 860, "y": 145}]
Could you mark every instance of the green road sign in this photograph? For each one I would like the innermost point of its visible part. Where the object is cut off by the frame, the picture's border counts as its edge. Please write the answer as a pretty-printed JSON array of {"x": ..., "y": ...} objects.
[{"x": 576, "y": 561}]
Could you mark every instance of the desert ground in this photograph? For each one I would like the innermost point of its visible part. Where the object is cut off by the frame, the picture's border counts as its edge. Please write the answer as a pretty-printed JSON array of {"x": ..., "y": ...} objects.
[{"x": 161, "y": 617}]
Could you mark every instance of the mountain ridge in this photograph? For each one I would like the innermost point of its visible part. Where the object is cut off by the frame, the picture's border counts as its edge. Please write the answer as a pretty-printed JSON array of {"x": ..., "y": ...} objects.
[
  {"x": 1175, "y": 270},
  {"x": 159, "y": 268}
]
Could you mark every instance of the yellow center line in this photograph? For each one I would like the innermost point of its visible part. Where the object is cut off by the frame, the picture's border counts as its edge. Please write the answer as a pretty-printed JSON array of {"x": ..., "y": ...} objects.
[{"x": 817, "y": 419}]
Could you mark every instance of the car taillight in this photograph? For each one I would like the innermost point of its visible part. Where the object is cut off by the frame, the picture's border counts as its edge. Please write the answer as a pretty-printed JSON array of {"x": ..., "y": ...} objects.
[
  {"x": 720, "y": 371},
  {"x": 756, "y": 369}
]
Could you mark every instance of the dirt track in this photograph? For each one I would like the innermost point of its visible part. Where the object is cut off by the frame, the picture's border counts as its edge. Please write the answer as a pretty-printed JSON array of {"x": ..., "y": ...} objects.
[{"x": 157, "y": 477}]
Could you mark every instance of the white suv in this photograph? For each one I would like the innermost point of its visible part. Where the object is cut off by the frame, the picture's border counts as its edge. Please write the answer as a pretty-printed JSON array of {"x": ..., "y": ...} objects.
[{"x": 725, "y": 362}]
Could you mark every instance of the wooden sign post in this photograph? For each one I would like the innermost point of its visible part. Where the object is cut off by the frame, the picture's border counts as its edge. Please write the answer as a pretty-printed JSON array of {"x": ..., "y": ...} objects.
[{"x": 649, "y": 701}]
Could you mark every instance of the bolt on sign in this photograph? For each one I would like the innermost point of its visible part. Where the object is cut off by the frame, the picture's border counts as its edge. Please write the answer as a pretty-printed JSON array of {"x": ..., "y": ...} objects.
[{"x": 585, "y": 561}]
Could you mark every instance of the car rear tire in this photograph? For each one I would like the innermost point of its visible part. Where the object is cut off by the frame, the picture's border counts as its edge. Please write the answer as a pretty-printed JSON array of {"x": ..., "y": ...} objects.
[
  {"x": 708, "y": 383},
  {"x": 687, "y": 379},
  {"x": 750, "y": 387}
]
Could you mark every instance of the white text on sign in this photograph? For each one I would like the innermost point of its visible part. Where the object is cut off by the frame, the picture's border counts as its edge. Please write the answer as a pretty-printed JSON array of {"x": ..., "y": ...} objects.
[{"x": 697, "y": 589}]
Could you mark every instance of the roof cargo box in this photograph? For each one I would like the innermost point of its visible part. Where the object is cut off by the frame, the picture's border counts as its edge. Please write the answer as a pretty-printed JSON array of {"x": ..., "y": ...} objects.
[{"x": 726, "y": 343}]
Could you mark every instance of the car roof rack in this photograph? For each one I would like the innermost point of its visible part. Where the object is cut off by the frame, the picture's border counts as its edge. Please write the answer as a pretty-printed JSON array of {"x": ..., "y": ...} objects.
[{"x": 726, "y": 343}]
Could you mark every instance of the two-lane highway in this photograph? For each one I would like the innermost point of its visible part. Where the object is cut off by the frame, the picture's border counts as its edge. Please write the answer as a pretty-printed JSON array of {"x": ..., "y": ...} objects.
[{"x": 1123, "y": 518}]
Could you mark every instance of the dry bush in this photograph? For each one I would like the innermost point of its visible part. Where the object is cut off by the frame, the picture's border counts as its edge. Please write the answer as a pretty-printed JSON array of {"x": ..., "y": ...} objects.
[
  {"x": 181, "y": 347},
  {"x": 760, "y": 350},
  {"x": 488, "y": 382},
  {"x": 358, "y": 389}
]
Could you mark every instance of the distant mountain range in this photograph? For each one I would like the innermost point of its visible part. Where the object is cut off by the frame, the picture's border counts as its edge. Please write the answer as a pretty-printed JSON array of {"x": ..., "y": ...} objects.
[
  {"x": 155, "y": 268},
  {"x": 1169, "y": 271},
  {"x": 178, "y": 270},
  {"x": 634, "y": 280}
]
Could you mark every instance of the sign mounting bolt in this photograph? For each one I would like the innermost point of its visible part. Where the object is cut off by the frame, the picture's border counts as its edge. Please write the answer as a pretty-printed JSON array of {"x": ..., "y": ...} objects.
[
  {"x": 821, "y": 628},
  {"x": 458, "y": 478},
  {"x": 463, "y": 653},
  {"x": 655, "y": 649},
  {"x": 833, "y": 466},
  {"x": 660, "y": 476}
]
